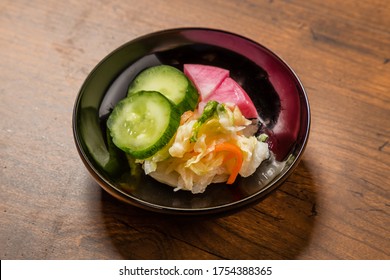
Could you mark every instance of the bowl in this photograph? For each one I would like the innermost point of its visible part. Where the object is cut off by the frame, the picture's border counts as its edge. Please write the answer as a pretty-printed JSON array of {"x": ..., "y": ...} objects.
[{"x": 275, "y": 89}]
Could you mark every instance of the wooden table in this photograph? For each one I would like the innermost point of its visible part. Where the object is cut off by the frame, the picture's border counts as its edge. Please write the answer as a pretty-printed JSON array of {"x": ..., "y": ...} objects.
[{"x": 335, "y": 205}]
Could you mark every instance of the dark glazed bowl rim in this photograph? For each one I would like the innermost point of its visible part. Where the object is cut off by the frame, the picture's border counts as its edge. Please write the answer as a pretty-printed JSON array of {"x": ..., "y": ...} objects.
[{"x": 108, "y": 186}]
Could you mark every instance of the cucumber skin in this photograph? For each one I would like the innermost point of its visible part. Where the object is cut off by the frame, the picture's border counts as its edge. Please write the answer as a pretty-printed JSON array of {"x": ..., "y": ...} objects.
[
  {"x": 190, "y": 102},
  {"x": 174, "y": 122},
  {"x": 191, "y": 97}
]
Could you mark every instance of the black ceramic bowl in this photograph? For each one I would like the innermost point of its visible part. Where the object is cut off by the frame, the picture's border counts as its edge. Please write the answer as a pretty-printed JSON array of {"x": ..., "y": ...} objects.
[{"x": 274, "y": 88}]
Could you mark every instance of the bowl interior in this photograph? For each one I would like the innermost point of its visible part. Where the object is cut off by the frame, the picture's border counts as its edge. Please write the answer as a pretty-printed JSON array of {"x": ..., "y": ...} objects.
[{"x": 274, "y": 88}]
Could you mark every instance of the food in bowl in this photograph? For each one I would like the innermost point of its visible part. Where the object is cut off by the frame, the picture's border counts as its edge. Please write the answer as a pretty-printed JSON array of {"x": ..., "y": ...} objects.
[
  {"x": 189, "y": 128},
  {"x": 274, "y": 88}
]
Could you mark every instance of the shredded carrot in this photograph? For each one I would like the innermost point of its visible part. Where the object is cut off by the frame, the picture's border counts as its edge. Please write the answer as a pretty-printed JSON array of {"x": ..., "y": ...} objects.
[
  {"x": 185, "y": 116},
  {"x": 235, "y": 152}
]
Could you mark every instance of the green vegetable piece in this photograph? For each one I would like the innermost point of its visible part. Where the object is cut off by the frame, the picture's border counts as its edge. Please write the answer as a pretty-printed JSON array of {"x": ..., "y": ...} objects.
[
  {"x": 169, "y": 81},
  {"x": 208, "y": 112},
  {"x": 143, "y": 123},
  {"x": 262, "y": 137}
]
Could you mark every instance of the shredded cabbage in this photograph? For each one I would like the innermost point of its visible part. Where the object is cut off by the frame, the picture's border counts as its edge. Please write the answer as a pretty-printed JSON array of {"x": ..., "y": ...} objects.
[{"x": 193, "y": 165}]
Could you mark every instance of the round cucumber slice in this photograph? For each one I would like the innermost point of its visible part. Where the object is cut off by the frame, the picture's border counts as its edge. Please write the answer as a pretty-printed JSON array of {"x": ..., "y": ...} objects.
[
  {"x": 169, "y": 81},
  {"x": 143, "y": 123}
]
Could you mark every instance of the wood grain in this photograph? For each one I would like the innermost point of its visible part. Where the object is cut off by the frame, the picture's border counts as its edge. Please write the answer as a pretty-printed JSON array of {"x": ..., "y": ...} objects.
[{"x": 334, "y": 206}]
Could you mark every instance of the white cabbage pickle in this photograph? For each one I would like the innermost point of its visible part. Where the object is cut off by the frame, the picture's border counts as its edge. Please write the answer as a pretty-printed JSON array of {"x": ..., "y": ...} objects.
[{"x": 222, "y": 148}]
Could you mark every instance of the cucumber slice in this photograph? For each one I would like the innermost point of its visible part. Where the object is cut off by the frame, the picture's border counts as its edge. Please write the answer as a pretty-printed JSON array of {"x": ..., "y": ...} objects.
[
  {"x": 143, "y": 123},
  {"x": 169, "y": 81}
]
